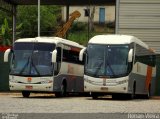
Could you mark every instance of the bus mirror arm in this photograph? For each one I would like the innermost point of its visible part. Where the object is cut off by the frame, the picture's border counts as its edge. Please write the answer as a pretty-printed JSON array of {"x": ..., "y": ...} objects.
[
  {"x": 6, "y": 54},
  {"x": 54, "y": 56},
  {"x": 81, "y": 54},
  {"x": 130, "y": 55}
]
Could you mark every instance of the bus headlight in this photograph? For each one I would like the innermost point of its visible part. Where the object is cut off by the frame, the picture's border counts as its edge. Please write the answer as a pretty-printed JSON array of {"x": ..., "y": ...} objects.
[
  {"x": 122, "y": 82},
  {"x": 44, "y": 82},
  {"x": 13, "y": 81},
  {"x": 89, "y": 81}
]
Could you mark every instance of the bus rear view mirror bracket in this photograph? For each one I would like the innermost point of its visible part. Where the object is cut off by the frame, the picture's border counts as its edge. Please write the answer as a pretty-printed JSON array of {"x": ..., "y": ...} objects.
[
  {"x": 54, "y": 56},
  {"x": 81, "y": 54},
  {"x": 6, "y": 54},
  {"x": 130, "y": 55}
]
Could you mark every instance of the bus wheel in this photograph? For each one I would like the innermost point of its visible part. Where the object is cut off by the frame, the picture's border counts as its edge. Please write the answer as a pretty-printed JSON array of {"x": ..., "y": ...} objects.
[
  {"x": 133, "y": 95},
  {"x": 94, "y": 96},
  {"x": 63, "y": 90},
  {"x": 25, "y": 94}
]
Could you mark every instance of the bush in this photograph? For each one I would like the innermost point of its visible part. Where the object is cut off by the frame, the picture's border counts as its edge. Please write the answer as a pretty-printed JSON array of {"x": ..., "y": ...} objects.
[{"x": 78, "y": 27}]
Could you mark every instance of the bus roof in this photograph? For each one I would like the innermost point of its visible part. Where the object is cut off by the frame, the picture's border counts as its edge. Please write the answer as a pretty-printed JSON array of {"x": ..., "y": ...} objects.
[
  {"x": 54, "y": 40},
  {"x": 116, "y": 39}
]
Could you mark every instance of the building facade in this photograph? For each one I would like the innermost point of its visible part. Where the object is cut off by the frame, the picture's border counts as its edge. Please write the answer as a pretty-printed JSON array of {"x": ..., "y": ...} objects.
[{"x": 102, "y": 14}]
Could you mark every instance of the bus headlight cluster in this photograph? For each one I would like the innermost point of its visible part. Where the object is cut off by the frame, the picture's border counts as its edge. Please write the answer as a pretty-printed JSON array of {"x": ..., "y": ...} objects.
[
  {"x": 13, "y": 81},
  {"x": 122, "y": 82},
  {"x": 89, "y": 81},
  {"x": 44, "y": 82}
]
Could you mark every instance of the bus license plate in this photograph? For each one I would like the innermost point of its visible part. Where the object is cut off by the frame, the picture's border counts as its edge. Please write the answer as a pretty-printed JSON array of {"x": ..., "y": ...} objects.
[
  {"x": 29, "y": 87},
  {"x": 104, "y": 88}
]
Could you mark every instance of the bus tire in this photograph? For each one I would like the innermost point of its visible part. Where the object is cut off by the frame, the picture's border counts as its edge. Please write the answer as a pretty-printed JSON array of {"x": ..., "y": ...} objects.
[
  {"x": 26, "y": 94},
  {"x": 63, "y": 90},
  {"x": 94, "y": 96},
  {"x": 133, "y": 95}
]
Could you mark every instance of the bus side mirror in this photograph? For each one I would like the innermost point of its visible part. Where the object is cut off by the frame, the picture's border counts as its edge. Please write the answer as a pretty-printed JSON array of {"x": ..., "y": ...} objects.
[
  {"x": 54, "y": 56},
  {"x": 81, "y": 54},
  {"x": 6, "y": 54},
  {"x": 130, "y": 55}
]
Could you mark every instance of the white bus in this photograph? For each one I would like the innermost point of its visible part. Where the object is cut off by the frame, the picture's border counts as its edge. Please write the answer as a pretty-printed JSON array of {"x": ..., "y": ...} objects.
[
  {"x": 45, "y": 64},
  {"x": 120, "y": 65}
]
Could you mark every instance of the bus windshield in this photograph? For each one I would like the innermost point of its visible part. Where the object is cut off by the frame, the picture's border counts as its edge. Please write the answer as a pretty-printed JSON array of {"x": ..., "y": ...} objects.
[
  {"x": 32, "y": 59},
  {"x": 107, "y": 60}
]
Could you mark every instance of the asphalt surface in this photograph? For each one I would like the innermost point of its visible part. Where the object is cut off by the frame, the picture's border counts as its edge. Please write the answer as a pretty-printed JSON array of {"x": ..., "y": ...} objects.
[{"x": 48, "y": 106}]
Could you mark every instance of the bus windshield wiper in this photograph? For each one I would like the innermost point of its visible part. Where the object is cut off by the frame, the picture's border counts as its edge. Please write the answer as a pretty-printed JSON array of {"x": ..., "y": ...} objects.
[
  {"x": 110, "y": 68},
  {"x": 25, "y": 66},
  {"x": 98, "y": 68},
  {"x": 35, "y": 67}
]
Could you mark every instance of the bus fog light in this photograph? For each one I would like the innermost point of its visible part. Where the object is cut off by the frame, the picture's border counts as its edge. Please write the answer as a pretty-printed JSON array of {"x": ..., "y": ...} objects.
[
  {"x": 11, "y": 86},
  {"x": 124, "y": 88},
  {"x": 48, "y": 87}
]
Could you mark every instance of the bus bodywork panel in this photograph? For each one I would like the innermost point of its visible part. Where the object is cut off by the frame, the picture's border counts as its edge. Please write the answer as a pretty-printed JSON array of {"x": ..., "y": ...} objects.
[
  {"x": 116, "y": 39},
  {"x": 19, "y": 83},
  {"x": 121, "y": 85},
  {"x": 73, "y": 75},
  {"x": 105, "y": 85},
  {"x": 142, "y": 78}
]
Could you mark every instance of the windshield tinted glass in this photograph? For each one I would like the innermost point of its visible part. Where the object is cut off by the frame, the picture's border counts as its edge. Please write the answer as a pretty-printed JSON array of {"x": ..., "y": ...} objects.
[
  {"x": 32, "y": 59},
  {"x": 107, "y": 60}
]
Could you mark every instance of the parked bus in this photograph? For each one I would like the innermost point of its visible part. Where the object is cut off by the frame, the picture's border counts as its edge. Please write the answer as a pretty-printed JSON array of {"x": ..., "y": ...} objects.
[
  {"x": 45, "y": 64},
  {"x": 120, "y": 65}
]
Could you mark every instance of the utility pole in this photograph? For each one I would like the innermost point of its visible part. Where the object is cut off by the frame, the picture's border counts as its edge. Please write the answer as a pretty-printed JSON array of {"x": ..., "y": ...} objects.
[{"x": 39, "y": 27}]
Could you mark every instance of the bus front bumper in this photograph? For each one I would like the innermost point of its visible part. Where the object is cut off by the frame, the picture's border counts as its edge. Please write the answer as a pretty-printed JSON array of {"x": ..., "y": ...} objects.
[
  {"x": 31, "y": 87},
  {"x": 121, "y": 88}
]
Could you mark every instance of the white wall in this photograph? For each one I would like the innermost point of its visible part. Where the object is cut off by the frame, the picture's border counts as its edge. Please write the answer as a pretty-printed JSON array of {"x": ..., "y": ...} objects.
[{"x": 109, "y": 13}]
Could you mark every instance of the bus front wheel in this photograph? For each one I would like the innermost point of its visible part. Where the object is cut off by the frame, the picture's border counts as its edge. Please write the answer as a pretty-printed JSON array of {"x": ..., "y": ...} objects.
[
  {"x": 63, "y": 91},
  {"x": 25, "y": 94}
]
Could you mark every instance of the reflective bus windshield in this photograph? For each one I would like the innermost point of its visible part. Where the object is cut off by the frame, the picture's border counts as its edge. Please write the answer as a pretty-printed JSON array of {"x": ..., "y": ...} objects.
[
  {"x": 107, "y": 60},
  {"x": 32, "y": 59}
]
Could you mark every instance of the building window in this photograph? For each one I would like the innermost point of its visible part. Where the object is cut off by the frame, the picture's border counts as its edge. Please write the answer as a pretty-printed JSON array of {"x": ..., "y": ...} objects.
[{"x": 86, "y": 12}]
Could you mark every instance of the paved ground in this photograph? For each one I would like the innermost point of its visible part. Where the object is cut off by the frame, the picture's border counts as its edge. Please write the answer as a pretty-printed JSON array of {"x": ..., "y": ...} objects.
[{"x": 47, "y": 103}]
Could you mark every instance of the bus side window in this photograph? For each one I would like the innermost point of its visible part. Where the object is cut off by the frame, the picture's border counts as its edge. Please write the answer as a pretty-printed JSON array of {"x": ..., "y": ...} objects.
[{"x": 58, "y": 63}]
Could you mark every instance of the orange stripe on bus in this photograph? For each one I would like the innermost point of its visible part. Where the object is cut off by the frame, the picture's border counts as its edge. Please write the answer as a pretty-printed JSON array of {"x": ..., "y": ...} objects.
[
  {"x": 148, "y": 77},
  {"x": 152, "y": 50},
  {"x": 75, "y": 49}
]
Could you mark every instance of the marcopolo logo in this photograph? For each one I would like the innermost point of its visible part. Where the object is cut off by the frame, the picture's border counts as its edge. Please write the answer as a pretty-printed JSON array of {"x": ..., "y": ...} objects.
[{"x": 29, "y": 79}]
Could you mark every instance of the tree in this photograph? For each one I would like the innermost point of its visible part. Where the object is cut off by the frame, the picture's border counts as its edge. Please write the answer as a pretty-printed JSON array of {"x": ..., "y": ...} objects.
[
  {"x": 28, "y": 16},
  {"x": 6, "y": 33}
]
